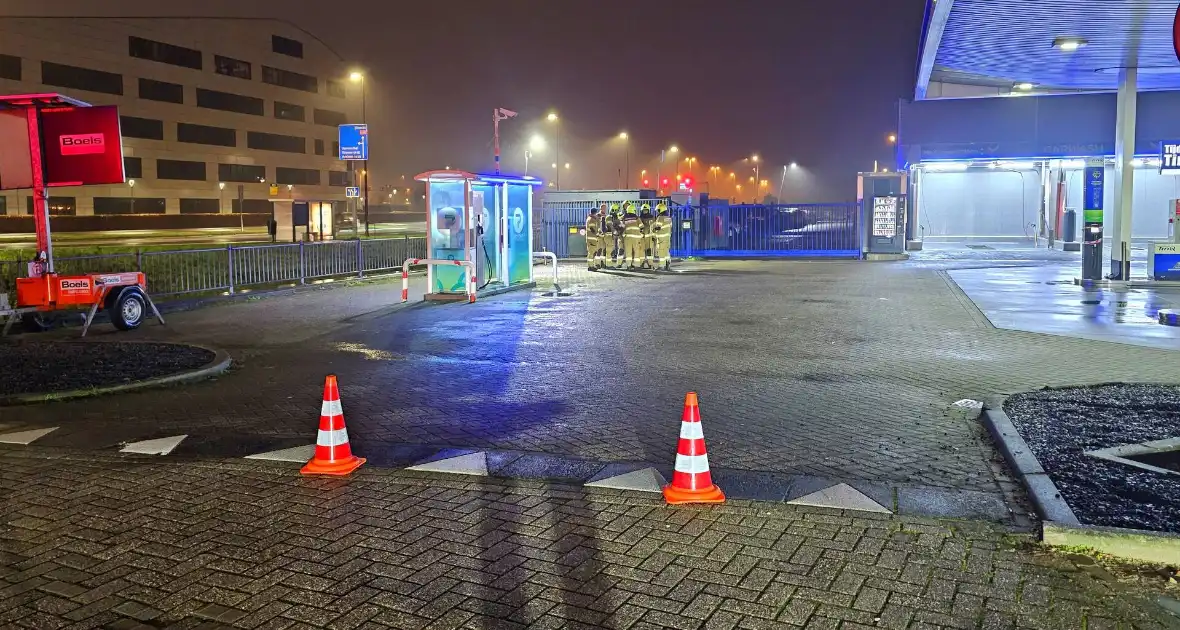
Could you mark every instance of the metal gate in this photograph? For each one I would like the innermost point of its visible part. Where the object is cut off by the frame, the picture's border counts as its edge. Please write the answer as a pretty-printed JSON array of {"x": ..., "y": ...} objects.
[
  {"x": 717, "y": 231},
  {"x": 755, "y": 231}
]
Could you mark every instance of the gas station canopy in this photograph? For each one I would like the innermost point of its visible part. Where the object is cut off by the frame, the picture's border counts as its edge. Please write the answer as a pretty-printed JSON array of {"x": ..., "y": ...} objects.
[{"x": 1002, "y": 42}]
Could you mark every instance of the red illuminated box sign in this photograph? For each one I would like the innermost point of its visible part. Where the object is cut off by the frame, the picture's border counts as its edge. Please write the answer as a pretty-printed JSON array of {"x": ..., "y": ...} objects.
[{"x": 83, "y": 146}]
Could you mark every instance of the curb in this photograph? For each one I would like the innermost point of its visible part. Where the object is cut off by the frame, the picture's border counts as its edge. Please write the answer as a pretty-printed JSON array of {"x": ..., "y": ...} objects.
[
  {"x": 220, "y": 363},
  {"x": 1136, "y": 544},
  {"x": 1060, "y": 526}
]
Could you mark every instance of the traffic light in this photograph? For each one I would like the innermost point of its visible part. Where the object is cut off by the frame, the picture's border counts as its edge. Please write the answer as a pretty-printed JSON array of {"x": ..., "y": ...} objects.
[
  {"x": 664, "y": 183},
  {"x": 688, "y": 182},
  {"x": 646, "y": 182}
]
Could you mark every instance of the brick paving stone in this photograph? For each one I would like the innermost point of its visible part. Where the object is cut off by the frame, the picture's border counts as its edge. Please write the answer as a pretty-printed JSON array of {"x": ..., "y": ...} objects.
[
  {"x": 484, "y": 536},
  {"x": 867, "y": 343}
]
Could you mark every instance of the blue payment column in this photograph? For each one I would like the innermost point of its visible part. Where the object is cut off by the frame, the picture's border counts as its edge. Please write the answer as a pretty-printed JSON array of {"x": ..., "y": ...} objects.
[{"x": 1093, "y": 190}]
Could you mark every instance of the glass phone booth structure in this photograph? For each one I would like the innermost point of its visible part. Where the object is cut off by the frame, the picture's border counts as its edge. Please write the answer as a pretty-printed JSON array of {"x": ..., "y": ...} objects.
[{"x": 484, "y": 219}]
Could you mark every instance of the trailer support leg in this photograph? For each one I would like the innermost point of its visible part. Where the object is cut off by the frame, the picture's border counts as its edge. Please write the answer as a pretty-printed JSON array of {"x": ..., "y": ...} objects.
[
  {"x": 89, "y": 318},
  {"x": 155, "y": 311}
]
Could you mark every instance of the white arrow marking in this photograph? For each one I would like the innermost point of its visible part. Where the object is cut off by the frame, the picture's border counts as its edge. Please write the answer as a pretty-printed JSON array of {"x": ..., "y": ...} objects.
[
  {"x": 842, "y": 497},
  {"x": 159, "y": 446},
  {"x": 299, "y": 454},
  {"x": 25, "y": 438},
  {"x": 470, "y": 464}
]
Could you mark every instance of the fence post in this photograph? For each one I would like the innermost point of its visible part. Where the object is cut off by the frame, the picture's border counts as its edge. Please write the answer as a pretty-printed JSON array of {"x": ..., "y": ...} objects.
[
  {"x": 229, "y": 263},
  {"x": 138, "y": 259},
  {"x": 360, "y": 259},
  {"x": 302, "y": 266}
]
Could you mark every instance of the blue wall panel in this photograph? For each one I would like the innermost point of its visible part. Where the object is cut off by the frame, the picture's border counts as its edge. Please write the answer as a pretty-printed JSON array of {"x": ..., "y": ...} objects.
[{"x": 1067, "y": 125}]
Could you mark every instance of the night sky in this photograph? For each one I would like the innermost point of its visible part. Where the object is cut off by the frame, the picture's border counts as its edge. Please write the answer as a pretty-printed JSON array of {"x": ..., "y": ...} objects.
[{"x": 812, "y": 81}]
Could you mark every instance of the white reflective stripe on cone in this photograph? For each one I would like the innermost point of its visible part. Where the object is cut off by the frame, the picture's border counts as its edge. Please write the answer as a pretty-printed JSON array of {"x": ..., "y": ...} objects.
[
  {"x": 331, "y": 408},
  {"x": 332, "y": 438},
  {"x": 692, "y": 463},
  {"x": 692, "y": 431}
]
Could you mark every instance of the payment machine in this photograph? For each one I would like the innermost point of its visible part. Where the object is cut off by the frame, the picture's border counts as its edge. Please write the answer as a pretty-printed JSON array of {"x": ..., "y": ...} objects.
[{"x": 482, "y": 219}]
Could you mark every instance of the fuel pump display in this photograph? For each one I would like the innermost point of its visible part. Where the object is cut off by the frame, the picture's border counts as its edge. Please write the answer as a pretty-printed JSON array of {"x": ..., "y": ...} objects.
[{"x": 1094, "y": 189}]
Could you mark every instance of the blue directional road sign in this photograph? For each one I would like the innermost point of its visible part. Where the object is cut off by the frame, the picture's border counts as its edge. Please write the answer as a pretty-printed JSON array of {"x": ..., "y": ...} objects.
[
  {"x": 354, "y": 142},
  {"x": 352, "y": 192}
]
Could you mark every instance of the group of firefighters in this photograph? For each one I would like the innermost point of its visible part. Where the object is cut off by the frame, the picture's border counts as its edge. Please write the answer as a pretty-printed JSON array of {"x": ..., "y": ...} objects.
[{"x": 620, "y": 237}]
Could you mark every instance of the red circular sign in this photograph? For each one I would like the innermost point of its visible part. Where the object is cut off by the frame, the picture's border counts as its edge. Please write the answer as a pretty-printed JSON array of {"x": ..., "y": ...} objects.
[{"x": 1176, "y": 34}]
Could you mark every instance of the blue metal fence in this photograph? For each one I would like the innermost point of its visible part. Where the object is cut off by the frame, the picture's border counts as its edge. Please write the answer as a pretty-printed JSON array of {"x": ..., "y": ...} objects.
[{"x": 745, "y": 231}]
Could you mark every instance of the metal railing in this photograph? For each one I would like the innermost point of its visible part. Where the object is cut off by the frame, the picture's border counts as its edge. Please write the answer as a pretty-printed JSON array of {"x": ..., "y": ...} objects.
[{"x": 227, "y": 269}]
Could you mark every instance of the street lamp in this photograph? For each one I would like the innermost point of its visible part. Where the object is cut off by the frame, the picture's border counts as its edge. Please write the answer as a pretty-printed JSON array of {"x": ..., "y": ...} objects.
[
  {"x": 627, "y": 148},
  {"x": 552, "y": 117},
  {"x": 891, "y": 138},
  {"x": 536, "y": 143},
  {"x": 359, "y": 77}
]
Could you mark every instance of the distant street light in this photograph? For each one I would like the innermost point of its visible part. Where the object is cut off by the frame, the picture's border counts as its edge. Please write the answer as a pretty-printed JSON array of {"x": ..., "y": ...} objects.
[
  {"x": 552, "y": 117},
  {"x": 891, "y": 138},
  {"x": 358, "y": 77},
  {"x": 627, "y": 150}
]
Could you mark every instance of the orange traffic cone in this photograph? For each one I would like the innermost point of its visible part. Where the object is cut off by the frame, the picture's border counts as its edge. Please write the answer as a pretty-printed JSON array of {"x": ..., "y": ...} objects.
[
  {"x": 333, "y": 455},
  {"x": 691, "y": 481}
]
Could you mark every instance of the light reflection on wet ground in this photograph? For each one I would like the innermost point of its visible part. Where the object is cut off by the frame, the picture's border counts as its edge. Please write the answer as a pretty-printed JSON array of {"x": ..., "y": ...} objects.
[{"x": 1044, "y": 299}]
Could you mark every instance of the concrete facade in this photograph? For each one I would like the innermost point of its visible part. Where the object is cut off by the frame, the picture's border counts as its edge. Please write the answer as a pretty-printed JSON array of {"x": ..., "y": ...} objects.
[{"x": 108, "y": 45}]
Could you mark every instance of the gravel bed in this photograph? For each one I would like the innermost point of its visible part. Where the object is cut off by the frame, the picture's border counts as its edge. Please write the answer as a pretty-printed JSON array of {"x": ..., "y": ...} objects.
[
  {"x": 46, "y": 367},
  {"x": 1059, "y": 425}
]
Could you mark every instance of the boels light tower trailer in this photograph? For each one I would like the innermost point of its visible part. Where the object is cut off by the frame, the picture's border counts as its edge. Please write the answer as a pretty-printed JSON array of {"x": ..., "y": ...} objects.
[{"x": 49, "y": 140}]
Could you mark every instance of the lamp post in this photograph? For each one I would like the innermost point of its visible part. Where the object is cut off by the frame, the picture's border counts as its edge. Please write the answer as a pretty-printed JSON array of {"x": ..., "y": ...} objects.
[
  {"x": 536, "y": 143},
  {"x": 131, "y": 205},
  {"x": 627, "y": 148},
  {"x": 552, "y": 117},
  {"x": 358, "y": 77}
]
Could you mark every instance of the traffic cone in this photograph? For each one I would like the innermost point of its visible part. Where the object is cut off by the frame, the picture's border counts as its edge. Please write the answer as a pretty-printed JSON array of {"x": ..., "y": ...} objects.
[
  {"x": 333, "y": 455},
  {"x": 691, "y": 481}
]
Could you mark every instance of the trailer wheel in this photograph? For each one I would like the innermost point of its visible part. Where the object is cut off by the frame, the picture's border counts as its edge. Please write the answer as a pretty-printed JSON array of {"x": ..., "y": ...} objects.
[
  {"x": 128, "y": 308},
  {"x": 36, "y": 322}
]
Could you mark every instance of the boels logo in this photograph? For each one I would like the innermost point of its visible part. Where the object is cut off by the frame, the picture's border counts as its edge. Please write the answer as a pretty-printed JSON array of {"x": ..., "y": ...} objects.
[
  {"x": 75, "y": 286},
  {"x": 82, "y": 143}
]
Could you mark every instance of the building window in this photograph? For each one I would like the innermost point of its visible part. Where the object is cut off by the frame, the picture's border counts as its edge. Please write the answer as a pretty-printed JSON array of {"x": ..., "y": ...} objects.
[
  {"x": 81, "y": 78},
  {"x": 164, "y": 53},
  {"x": 338, "y": 178},
  {"x": 253, "y": 206},
  {"x": 227, "y": 102},
  {"x": 319, "y": 147},
  {"x": 201, "y": 134},
  {"x": 336, "y": 149},
  {"x": 146, "y": 128},
  {"x": 10, "y": 67},
  {"x": 287, "y": 111},
  {"x": 132, "y": 167},
  {"x": 297, "y": 176},
  {"x": 275, "y": 142},
  {"x": 284, "y": 46},
  {"x": 4, "y": 205},
  {"x": 180, "y": 169},
  {"x": 336, "y": 88},
  {"x": 288, "y": 79},
  {"x": 58, "y": 206},
  {"x": 231, "y": 67},
  {"x": 161, "y": 91},
  {"x": 328, "y": 118},
  {"x": 200, "y": 206},
  {"x": 128, "y": 205},
  {"x": 240, "y": 173}
]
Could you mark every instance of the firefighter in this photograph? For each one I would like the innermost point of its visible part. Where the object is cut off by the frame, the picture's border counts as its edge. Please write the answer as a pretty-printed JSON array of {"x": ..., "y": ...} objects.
[
  {"x": 662, "y": 237},
  {"x": 632, "y": 237},
  {"x": 645, "y": 228},
  {"x": 594, "y": 238},
  {"x": 614, "y": 251}
]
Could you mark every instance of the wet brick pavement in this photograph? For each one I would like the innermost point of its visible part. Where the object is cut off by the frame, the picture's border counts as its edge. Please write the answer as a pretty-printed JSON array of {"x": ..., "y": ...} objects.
[
  {"x": 838, "y": 370},
  {"x": 105, "y": 542}
]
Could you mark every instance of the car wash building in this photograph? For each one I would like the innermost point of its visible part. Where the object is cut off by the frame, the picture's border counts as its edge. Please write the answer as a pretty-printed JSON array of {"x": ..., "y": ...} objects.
[{"x": 1048, "y": 118}]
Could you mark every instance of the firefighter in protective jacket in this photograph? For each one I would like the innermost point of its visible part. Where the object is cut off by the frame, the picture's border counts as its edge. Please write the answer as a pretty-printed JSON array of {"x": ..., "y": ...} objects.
[
  {"x": 594, "y": 238},
  {"x": 614, "y": 252},
  {"x": 645, "y": 228},
  {"x": 632, "y": 237},
  {"x": 662, "y": 237}
]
